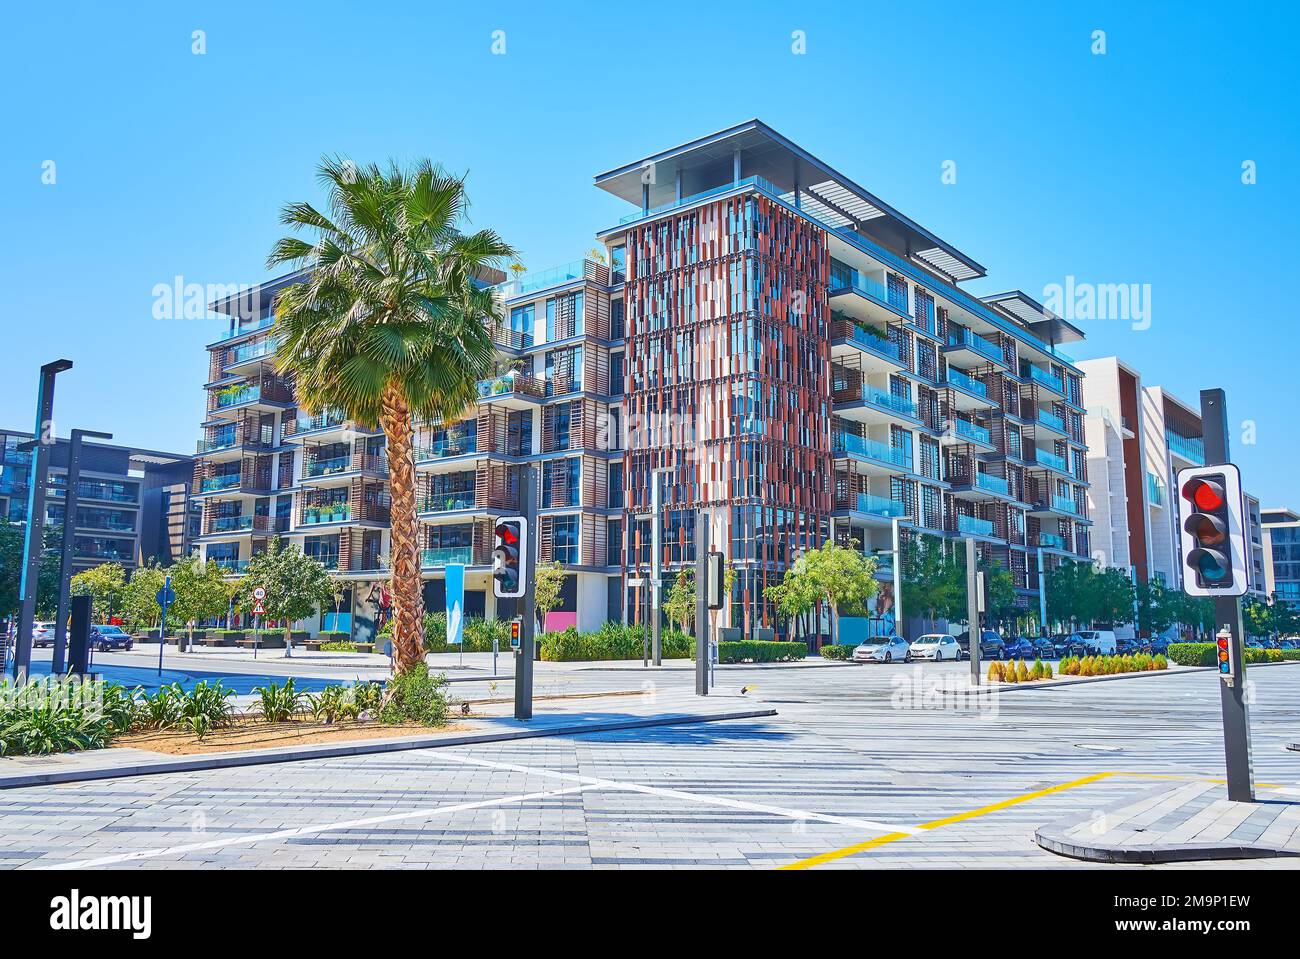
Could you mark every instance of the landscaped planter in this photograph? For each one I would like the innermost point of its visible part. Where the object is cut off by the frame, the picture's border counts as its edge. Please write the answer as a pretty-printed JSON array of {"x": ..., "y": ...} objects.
[{"x": 222, "y": 639}]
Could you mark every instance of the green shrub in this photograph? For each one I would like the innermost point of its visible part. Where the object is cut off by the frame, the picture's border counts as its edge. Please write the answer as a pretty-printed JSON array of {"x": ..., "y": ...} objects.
[
  {"x": 1192, "y": 654},
  {"x": 415, "y": 696},
  {"x": 206, "y": 707},
  {"x": 837, "y": 651},
  {"x": 761, "y": 651},
  {"x": 46, "y": 717},
  {"x": 278, "y": 703},
  {"x": 339, "y": 646}
]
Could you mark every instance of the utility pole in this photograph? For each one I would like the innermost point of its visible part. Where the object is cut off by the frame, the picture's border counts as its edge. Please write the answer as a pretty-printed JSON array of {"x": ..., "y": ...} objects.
[
  {"x": 973, "y": 610},
  {"x": 69, "y": 538},
  {"x": 528, "y": 602},
  {"x": 701, "y": 604},
  {"x": 1227, "y": 615},
  {"x": 34, "y": 543}
]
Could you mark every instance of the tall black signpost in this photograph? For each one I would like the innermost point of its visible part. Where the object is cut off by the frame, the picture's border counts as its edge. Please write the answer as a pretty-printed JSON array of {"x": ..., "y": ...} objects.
[
  {"x": 528, "y": 602},
  {"x": 1227, "y": 615},
  {"x": 701, "y": 604},
  {"x": 34, "y": 544},
  {"x": 69, "y": 540}
]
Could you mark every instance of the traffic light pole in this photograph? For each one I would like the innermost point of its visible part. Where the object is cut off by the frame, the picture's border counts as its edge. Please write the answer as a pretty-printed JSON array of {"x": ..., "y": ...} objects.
[
  {"x": 528, "y": 602},
  {"x": 973, "y": 611},
  {"x": 1227, "y": 615},
  {"x": 701, "y": 604}
]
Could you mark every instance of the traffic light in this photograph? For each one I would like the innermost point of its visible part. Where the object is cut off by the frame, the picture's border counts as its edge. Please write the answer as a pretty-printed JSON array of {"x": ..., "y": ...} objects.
[
  {"x": 1213, "y": 540},
  {"x": 510, "y": 557},
  {"x": 1227, "y": 665},
  {"x": 516, "y": 632}
]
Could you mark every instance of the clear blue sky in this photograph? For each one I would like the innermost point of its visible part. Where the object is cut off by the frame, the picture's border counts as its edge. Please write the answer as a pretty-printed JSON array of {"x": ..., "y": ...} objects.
[{"x": 1122, "y": 168}]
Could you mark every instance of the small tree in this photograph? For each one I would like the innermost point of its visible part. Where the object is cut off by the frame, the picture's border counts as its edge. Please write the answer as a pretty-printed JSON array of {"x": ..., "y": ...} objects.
[
  {"x": 934, "y": 581},
  {"x": 680, "y": 604},
  {"x": 835, "y": 574},
  {"x": 296, "y": 585},
  {"x": 338, "y": 592},
  {"x": 140, "y": 608},
  {"x": 547, "y": 582},
  {"x": 104, "y": 584},
  {"x": 201, "y": 592}
]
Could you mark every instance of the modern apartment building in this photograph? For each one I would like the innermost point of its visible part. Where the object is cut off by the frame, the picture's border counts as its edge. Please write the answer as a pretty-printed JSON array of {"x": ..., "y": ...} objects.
[
  {"x": 1281, "y": 533},
  {"x": 1139, "y": 437},
  {"x": 802, "y": 364},
  {"x": 124, "y": 497},
  {"x": 786, "y": 355}
]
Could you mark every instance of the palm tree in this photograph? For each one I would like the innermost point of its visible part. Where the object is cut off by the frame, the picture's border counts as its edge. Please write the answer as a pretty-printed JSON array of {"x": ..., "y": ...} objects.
[{"x": 389, "y": 324}]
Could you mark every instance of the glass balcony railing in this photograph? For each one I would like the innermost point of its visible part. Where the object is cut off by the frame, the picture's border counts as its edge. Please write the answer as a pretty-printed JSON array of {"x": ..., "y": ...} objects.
[
  {"x": 330, "y": 513},
  {"x": 447, "y": 502},
  {"x": 1155, "y": 490},
  {"x": 855, "y": 282},
  {"x": 329, "y": 466},
  {"x": 757, "y": 181},
  {"x": 231, "y": 524},
  {"x": 247, "y": 394},
  {"x": 1063, "y": 504},
  {"x": 321, "y": 421},
  {"x": 864, "y": 337},
  {"x": 508, "y": 384},
  {"x": 968, "y": 383},
  {"x": 541, "y": 279},
  {"x": 994, "y": 484},
  {"x": 883, "y": 398},
  {"x": 212, "y": 484},
  {"x": 959, "y": 336},
  {"x": 251, "y": 351},
  {"x": 974, "y": 526},
  {"x": 1051, "y": 541},
  {"x": 855, "y": 445},
  {"x": 447, "y": 556},
  {"x": 261, "y": 324},
  {"x": 230, "y": 565},
  {"x": 880, "y": 505},
  {"x": 1191, "y": 448},
  {"x": 1051, "y": 421},
  {"x": 1050, "y": 459},
  {"x": 1036, "y": 374},
  {"x": 443, "y": 449},
  {"x": 972, "y": 432}
]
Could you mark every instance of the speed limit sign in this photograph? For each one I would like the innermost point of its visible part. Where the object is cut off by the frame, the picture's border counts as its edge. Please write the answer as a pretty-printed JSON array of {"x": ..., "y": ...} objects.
[{"x": 259, "y": 593}]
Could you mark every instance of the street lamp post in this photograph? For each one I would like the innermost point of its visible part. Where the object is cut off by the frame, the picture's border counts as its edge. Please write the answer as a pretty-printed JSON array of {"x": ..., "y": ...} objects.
[
  {"x": 34, "y": 542},
  {"x": 70, "y": 507}
]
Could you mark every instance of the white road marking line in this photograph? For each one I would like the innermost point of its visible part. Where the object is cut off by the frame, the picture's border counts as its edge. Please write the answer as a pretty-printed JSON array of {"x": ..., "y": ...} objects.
[
  {"x": 797, "y": 814},
  {"x": 308, "y": 830}
]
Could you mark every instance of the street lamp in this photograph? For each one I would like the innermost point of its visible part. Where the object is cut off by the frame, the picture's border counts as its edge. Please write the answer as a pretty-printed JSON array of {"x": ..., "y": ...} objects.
[
  {"x": 69, "y": 539},
  {"x": 34, "y": 542}
]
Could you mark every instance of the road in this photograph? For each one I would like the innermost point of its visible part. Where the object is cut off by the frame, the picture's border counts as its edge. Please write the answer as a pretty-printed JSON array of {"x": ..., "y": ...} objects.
[{"x": 861, "y": 769}]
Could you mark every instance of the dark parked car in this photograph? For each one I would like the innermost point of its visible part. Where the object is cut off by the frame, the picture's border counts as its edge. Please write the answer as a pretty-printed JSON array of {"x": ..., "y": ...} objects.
[
  {"x": 1156, "y": 645},
  {"x": 105, "y": 638},
  {"x": 1289, "y": 644},
  {"x": 990, "y": 644},
  {"x": 1127, "y": 647},
  {"x": 1018, "y": 648},
  {"x": 1044, "y": 647},
  {"x": 1061, "y": 644}
]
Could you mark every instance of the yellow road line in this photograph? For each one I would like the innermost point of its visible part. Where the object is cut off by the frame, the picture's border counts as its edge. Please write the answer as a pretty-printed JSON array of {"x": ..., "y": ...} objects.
[{"x": 984, "y": 810}]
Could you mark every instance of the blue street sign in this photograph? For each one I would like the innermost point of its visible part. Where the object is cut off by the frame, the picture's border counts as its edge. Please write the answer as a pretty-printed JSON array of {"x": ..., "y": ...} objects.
[{"x": 165, "y": 596}]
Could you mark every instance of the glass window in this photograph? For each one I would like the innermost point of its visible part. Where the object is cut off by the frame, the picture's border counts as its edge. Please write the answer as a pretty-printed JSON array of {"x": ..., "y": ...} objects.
[{"x": 564, "y": 539}]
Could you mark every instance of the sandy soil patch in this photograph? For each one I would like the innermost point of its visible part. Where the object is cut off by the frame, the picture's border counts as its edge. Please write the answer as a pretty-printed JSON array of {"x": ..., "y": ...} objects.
[{"x": 248, "y": 734}]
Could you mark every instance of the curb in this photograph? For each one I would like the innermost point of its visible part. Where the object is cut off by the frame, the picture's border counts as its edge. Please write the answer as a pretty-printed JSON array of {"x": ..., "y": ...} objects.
[{"x": 355, "y": 748}]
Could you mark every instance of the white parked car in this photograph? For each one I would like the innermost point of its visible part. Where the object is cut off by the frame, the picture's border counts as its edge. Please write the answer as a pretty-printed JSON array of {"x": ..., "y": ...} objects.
[
  {"x": 42, "y": 634},
  {"x": 882, "y": 649},
  {"x": 1097, "y": 641},
  {"x": 936, "y": 646}
]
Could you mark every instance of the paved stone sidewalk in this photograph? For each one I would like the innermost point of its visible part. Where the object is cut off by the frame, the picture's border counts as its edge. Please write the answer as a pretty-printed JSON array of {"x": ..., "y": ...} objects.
[{"x": 1181, "y": 822}]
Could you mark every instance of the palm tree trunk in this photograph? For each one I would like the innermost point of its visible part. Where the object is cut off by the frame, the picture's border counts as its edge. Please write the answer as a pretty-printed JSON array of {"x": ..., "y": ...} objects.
[{"x": 408, "y": 596}]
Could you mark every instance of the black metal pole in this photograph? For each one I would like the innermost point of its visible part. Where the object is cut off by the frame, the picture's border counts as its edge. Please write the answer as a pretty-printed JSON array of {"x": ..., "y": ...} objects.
[
  {"x": 1227, "y": 615},
  {"x": 701, "y": 604},
  {"x": 69, "y": 540},
  {"x": 528, "y": 603},
  {"x": 34, "y": 543}
]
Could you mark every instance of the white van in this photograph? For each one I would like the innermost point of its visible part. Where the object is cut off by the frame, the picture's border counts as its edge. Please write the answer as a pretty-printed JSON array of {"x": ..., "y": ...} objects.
[{"x": 1102, "y": 641}]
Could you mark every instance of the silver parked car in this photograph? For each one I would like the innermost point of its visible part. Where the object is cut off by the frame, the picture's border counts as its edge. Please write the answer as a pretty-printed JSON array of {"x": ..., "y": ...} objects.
[
  {"x": 882, "y": 649},
  {"x": 935, "y": 646}
]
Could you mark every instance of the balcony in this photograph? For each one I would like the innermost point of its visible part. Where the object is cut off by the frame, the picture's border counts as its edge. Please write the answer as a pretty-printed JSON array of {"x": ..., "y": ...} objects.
[
  {"x": 227, "y": 399},
  {"x": 230, "y": 566},
  {"x": 981, "y": 487},
  {"x": 512, "y": 390},
  {"x": 1052, "y": 422},
  {"x": 1051, "y": 460},
  {"x": 965, "y": 346},
  {"x": 326, "y": 513},
  {"x": 511, "y": 340},
  {"x": 873, "y": 352},
  {"x": 757, "y": 181},
  {"x": 972, "y": 432},
  {"x": 250, "y": 352},
  {"x": 330, "y": 419},
  {"x": 446, "y": 449},
  {"x": 1189, "y": 448},
  {"x": 447, "y": 556},
  {"x": 974, "y": 526},
  {"x": 1063, "y": 504},
  {"x": 863, "y": 298},
  {"x": 1041, "y": 377},
  {"x": 555, "y": 276},
  {"x": 447, "y": 502},
  {"x": 861, "y": 447},
  {"x": 967, "y": 393},
  {"x": 215, "y": 484},
  {"x": 1155, "y": 490},
  {"x": 1051, "y": 541},
  {"x": 265, "y": 323},
  {"x": 881, "y": 506},
  {"x": 871, "y": 404}
]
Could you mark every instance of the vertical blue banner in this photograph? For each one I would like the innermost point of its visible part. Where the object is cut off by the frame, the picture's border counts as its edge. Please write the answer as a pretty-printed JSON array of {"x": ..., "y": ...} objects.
[{"x": 455, "y": 604}]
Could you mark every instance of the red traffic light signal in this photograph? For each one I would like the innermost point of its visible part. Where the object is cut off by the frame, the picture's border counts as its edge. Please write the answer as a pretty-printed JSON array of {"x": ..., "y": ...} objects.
[
  {"x": 1227, "y": 668},
  {"x": 1212, "y": 542},
  {"x": 510, "y": 557}
]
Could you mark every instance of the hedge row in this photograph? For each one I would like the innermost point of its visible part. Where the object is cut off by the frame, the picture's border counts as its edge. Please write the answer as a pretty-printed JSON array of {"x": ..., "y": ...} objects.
[
  {"x": 837, "y": 651},
  {"x": 1111, "y": 665},
  {"x": 1205, "y": 654},
  {"x": 760, "y": 651},
  {"x": 611, "y": 641}
]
